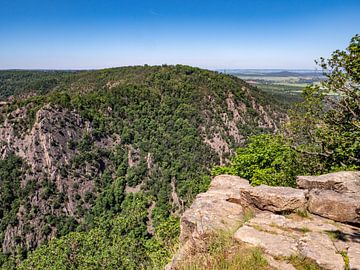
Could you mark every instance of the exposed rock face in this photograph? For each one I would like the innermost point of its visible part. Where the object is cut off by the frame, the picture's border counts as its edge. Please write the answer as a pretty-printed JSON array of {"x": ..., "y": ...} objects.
[
  {"x": 338, "y": 181},
  {"x": 336, "y": 206},
  {"x": 310, "y": 231},
  {"x": 47, "y": 151},
  {"x": 233, "y": 116},
  {"x": 212, "y": 211},
  {"x": 275, "y": 199}
]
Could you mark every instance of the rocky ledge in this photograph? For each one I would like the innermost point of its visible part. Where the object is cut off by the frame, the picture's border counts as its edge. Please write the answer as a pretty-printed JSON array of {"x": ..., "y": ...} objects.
[{"x": 319, "y": 220}]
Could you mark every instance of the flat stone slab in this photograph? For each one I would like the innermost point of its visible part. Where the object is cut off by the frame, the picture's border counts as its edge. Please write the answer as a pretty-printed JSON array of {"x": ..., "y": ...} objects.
[
  {"x": 273, "y": 244},
  {"x": 313, "y": 237},
  {"x": 335, "y": 206},
  {"x": 275, "y": 199},
  {"x": 292, "y": 224},
  {"x": 347, "y": 181},
  {"x": 320, "y": 248}
]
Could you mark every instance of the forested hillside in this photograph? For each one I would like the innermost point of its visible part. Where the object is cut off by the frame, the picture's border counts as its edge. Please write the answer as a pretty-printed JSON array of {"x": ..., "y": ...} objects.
[{"x": 97, "y": 165}]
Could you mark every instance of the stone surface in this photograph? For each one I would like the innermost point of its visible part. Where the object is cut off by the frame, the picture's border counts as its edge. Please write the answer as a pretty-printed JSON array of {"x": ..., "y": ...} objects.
[
  {"x": 338, "y": 181},
  {"x": 313, "y": 237},
  {"x": 279, "y": 265},
  {"x": 354, "y": 255},
  {"x": 335, "y": 206},
  {"x": 273, "y": 244},
  {"x": 275, "y": 199},
  {"x": 292, "y": 224},
  {"x": 212, "y": 211},
  {"x": 321, "y": 249}
]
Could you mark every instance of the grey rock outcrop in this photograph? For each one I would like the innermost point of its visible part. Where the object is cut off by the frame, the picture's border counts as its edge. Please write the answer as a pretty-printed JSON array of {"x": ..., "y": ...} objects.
[
  {"x": 275, "y": 199},
  {"x": 348, "y": 181},
  {"x": 286, "y": 222},
  {"x": 211, "y": 211},
  {"x": 336, "y": 206}
]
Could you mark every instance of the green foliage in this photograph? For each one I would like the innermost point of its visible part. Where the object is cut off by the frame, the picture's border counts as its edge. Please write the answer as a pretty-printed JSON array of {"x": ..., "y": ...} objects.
[
  {"x": 325, "y": 127},
  {"x": 119, "y": 242},
  {"x": 18, "y": 83},
  {"x": 10, "y": 191},
  {"x": 266, "y": 159}
]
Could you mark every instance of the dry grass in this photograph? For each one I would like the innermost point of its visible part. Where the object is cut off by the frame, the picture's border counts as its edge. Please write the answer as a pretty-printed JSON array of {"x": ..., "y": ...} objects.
[{"x": 222, "y": 252}]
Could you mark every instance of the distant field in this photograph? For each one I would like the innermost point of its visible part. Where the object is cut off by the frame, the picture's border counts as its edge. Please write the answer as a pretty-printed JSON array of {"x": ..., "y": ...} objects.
[{"x": 284, "y": 85}]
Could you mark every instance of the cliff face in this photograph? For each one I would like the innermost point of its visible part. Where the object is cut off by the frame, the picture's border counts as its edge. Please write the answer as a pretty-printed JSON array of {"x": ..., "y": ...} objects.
[
  {"x": 47, "y": 152},
  {"x": 319, "y": 221}
]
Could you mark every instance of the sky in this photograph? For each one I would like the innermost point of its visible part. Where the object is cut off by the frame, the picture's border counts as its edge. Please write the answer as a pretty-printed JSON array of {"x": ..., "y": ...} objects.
[{"x": 222, "y": 34}]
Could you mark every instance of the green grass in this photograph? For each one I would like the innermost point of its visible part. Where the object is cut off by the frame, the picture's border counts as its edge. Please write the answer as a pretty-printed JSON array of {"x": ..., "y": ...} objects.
[
  {"x": 303, "y": 263},
  {"x": 345, "y": 258}
]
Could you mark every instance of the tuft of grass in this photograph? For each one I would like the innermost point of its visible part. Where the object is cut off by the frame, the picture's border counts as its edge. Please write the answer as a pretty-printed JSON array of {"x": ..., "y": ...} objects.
[
  {"x": 248, "y": 214},
  {"x": 345, "y": 258},
  {"x": 301, "y": 263},
  {"x": 336, "y": 235},
  {"x": 302, "y": 213},
  {"x": 305, "y": 230},
  {"x": 222, "y": 252}
]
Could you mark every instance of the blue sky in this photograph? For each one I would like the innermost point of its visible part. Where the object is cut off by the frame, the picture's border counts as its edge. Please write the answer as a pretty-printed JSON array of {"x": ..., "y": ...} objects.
[{"x": 72, "y": 34}]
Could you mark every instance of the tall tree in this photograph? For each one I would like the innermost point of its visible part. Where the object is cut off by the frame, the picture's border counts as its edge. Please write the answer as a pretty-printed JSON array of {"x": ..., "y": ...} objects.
[{"x": 325, "y": 127}]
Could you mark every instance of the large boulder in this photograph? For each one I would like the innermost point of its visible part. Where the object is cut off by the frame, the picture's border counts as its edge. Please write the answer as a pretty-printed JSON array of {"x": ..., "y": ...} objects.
[
  {"x": 335, "y": 206},
  {"x": 274, "y": 199},
  {"x": 212, "y": 210},
  {"x": 339, "y": 181}
]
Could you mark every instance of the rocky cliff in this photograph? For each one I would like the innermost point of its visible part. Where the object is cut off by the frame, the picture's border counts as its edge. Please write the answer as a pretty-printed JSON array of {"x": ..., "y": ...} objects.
[{"x": 319, "y": 220}]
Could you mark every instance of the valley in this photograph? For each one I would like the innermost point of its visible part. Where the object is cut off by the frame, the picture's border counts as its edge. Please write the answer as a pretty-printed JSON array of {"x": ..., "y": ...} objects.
[{"x": 88, "y": 148}]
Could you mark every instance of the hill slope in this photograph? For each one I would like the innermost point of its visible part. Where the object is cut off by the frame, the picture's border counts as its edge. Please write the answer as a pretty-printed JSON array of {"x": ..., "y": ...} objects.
[{"x": 118, "y": 146}]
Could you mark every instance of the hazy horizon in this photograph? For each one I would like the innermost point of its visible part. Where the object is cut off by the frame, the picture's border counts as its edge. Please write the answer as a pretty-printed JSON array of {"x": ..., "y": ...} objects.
[{"x": 68, "y": 35}]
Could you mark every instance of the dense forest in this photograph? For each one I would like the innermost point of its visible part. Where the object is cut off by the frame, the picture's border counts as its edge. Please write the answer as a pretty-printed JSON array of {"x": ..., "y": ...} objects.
[{"x": 97, "y": 166}]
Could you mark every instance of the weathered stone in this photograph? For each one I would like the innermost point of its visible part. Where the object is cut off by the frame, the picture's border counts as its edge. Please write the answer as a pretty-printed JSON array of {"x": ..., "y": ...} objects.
[
  {"x": 335, "y": 206},
  {"x": 290, "y": 225},
  {"x": 273, "y": 244},
  {"x": 211, "y": 211},
  {"x": 338, "y": 181},
  {"x": 275, "y": 199},
  {"x": 228, "y": 183},
  {"x": 320, "y": 248},
  {"x": 354, "y": 256}
]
